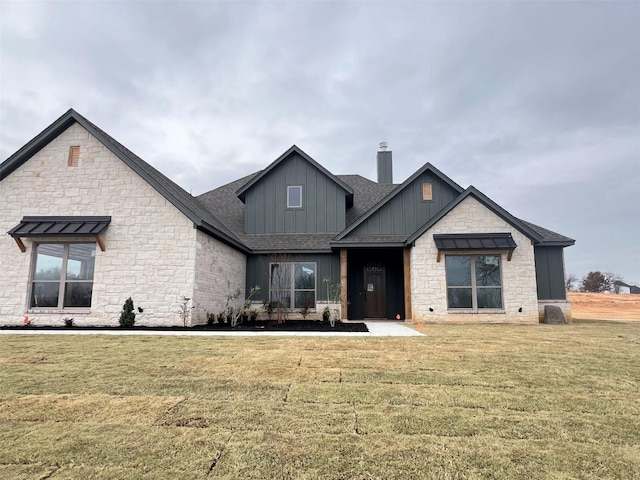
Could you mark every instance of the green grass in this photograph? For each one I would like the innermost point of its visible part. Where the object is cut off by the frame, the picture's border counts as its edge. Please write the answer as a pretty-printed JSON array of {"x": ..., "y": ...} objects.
[{"x": 463, "y": 402}]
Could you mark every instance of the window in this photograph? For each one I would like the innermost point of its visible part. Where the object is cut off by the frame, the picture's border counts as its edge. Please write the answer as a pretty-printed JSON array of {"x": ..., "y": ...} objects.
[
  {"x": 293, "y": 285},
  {"x": 63, "y": 275},
  {"x": 74, "y": 155},
  {"x": 294, "y": 197},
  {"x": 427, "y": 192},
  {"x": 473, "y": 282}
]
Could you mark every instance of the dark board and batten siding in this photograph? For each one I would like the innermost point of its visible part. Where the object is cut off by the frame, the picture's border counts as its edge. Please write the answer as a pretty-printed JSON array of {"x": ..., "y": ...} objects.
[
  {"x": 327, "y": 266},
  {"x": 323, "y": 201},
  {"x": 407, "y": 212},
  {"x": 550, "y": 273}
]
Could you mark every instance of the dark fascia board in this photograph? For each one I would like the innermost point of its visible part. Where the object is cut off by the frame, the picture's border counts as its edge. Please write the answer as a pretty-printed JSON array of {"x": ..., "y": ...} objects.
[
  {"x": 344, "y": 244},
  {"x": 397, "y": 191},
  {"x": 71, "y": 117},
  {"x": 293, "y": 149},
  {"x": 223, "y": 237},
  {"x": 555, "y": 243},
  {"x": 488, "y": 203},
  {"x": 292, "y": 251}
]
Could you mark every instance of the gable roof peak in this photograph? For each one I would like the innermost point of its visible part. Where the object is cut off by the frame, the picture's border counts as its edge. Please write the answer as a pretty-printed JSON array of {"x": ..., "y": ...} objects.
[
  {"x": 472, "y": 191},
  {"x": 176, "y": 195},
  {"x": 284, "y": 156},
  {"x": 396, "y": 191}
]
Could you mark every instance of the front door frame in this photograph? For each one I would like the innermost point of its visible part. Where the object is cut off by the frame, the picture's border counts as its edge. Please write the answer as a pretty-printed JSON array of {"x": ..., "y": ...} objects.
[{"x": 375, "y": 290}]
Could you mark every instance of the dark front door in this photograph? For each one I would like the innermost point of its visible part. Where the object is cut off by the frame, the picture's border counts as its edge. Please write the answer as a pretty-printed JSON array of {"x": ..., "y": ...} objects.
[{"x": 374, "y": 291}]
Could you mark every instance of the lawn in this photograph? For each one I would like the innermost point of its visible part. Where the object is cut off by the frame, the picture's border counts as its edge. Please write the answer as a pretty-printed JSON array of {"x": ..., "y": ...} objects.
[{"x": 463, "y": 402}]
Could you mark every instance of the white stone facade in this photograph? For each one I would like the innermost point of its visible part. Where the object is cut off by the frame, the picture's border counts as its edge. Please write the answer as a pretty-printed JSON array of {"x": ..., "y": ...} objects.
[
  {"x": 428, "y": 276},
  {"x": 153, "y": 252},
  {"x": 220, "y": 271}
]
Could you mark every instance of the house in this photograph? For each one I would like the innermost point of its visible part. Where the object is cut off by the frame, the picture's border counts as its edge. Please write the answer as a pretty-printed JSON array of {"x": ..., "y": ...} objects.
[
  {"x": 621, "y": 287},
  {"x": 90, "y": 224}
]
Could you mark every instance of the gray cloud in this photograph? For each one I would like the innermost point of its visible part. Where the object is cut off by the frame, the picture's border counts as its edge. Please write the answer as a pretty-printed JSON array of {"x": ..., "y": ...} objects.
[{"x": 536, "y": 104}]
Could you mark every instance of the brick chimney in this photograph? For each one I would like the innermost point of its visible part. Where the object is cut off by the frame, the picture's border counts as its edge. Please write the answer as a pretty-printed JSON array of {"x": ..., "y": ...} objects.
[{"x": 385, "y": 164}]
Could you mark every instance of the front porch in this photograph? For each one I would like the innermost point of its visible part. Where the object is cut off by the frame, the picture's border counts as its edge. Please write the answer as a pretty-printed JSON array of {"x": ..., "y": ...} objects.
[{"x": 377, "y": 283}]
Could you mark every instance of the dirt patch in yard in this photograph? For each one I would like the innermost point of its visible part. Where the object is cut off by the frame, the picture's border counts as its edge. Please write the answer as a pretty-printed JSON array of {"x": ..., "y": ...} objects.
[{"x": 605, "y": 306}]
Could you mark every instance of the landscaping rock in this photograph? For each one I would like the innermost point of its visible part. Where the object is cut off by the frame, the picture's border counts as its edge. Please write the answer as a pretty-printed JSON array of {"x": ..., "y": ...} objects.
[{"x": 554, "y": 315}]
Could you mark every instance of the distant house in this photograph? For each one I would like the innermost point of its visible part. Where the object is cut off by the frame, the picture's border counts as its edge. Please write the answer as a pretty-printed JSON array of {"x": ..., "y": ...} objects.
[
  {"x": 624, "y": 288},
  {"x": 89, "y": 224}
]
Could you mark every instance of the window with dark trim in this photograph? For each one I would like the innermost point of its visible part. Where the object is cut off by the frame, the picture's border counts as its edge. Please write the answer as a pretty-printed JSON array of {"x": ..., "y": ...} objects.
[
  {"x": 294, "y": 196},
  {"x": 474, "y": 282},
  {"x": 62, "y": 275},
  {"x": 293, "y": 284}
]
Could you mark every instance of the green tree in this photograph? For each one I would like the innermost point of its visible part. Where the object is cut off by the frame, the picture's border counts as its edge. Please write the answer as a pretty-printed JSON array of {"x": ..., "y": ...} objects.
[{"x": 128, "y": 316}]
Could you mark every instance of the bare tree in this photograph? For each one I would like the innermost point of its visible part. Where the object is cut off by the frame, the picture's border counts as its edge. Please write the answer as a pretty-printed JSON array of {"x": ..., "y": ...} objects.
[
  {"x": 571, "y": 282},
  {"x": 595, "y": 282},
  {"x": 279, "y": 301},
  {"x": 613, "y": 278}
]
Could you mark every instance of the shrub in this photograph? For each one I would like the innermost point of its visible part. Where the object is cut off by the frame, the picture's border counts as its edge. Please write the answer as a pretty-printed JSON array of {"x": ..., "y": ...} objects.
[
  {"x": 185, "y": 310},
  {"x": 128, "y": 316}
]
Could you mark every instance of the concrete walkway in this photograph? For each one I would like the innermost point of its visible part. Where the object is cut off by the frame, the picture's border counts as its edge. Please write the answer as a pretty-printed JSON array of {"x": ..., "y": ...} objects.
[{"x": 376, "y": 329}]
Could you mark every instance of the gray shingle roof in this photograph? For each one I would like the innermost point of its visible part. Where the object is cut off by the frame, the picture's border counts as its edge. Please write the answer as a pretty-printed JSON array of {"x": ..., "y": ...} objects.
[
  {"x": 549, "y": 237},
  {"x": 366, "y": 193}
]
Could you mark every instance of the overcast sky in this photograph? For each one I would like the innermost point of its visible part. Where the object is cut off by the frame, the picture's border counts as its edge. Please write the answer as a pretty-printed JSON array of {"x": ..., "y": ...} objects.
[{"x": 535, "y": 104}]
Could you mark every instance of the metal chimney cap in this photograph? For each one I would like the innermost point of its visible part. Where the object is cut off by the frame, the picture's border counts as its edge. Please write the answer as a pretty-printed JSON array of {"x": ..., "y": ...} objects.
[{"x": 383, "y": 146}]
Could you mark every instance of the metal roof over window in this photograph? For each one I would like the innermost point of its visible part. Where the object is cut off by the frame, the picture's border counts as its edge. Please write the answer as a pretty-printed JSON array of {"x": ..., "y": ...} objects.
[
  {"x": 60, "y": 226},
  {"x": 90, "y": 227},
  {"x": 475, "y": 241}
]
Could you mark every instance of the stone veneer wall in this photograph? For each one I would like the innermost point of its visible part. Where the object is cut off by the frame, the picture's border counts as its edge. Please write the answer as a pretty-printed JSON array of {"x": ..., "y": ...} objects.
[
  {"x": 150, "y": 245},
  {"x": 220, "y": 271},
  {"x": 428, "y": 277}
]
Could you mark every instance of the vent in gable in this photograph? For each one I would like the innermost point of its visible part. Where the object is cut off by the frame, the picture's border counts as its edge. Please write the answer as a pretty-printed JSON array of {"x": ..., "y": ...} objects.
[
  {"x": 74, "y": 156},
  {"x": 427, "y": 192}
]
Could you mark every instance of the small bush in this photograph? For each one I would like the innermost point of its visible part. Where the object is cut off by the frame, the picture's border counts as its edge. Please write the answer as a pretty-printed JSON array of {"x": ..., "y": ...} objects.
[{"x": 128, "y": 316}]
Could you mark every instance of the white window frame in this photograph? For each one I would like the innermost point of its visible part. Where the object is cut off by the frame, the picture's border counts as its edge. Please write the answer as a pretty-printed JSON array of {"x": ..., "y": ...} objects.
[
  {"x": 291, "y": 288},
  {"x": 291, "y": 188},
  {"x": 62, "y": 281},
  {"x": 474, "y": 287}
]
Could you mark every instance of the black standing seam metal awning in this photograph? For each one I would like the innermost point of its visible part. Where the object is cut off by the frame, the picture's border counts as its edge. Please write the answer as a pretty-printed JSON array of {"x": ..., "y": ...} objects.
[
  {"x": 474, "y": 241},
  {"x": 79, "y": 226}
]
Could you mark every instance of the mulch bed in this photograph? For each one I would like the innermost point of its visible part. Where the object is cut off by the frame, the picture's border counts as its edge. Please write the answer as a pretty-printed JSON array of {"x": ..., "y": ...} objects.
[{"x": 257, "y": 326}]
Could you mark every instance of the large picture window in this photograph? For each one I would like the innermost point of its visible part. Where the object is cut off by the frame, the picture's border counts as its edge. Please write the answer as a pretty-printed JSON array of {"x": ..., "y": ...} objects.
[
  {"x": 293, "y": 284},
  {"x": 63, "y": 275},
  {"x": 474, "y": 282}
]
